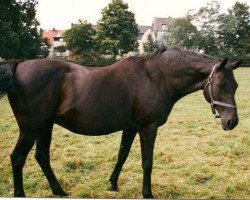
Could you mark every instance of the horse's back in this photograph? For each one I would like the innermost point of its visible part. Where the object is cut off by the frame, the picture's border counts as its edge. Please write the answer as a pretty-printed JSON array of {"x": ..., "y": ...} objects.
[{"x": 31, "y": 70}]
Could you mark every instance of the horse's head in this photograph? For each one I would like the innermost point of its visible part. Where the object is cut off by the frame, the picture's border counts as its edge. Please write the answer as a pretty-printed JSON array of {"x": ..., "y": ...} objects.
[{"x": 220, "y": 93}]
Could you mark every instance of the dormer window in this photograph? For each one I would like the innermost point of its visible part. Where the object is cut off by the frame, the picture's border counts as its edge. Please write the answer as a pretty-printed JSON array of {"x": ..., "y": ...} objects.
[
  {"x": 163, "y": 26},
  {"x": 58, "y": 39}
]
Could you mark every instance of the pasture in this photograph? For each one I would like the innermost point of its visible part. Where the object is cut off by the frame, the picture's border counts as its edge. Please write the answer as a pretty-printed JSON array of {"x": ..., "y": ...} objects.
[{"x": 193, "y": 157}]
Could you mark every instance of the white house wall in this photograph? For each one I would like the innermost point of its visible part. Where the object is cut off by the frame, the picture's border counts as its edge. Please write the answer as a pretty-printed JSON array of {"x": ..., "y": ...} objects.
[{"x": 144, "y": 39}]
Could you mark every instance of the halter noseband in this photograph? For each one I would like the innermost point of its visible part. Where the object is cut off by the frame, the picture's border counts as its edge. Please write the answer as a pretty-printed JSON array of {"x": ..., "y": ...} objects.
[{"x": 212, "y": 101}]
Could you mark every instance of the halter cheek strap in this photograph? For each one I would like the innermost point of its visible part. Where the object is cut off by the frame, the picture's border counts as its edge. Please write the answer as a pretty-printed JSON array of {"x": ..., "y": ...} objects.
[{"x": 210, "y": 92}]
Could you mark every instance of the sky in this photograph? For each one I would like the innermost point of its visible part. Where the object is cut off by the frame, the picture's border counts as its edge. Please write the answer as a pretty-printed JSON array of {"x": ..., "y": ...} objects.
[{"x": 59, "y": 14}]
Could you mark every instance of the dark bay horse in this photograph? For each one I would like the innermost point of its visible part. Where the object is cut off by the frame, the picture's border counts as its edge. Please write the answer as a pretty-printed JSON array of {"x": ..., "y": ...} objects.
[{"x": 135, "y": 94}]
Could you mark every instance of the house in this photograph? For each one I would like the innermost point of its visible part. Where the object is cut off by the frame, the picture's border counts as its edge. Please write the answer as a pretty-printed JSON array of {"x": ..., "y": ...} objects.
[
  {"x": 144, "y": 32},
  {"x": 157, "y": 30},
  {"x": 55, "y": 38},
  {"x": 160, "y": 26}
]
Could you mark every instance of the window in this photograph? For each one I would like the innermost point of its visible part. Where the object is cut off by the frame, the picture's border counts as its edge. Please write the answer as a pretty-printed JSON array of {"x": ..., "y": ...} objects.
[
  {"x": 163, "y": 26},
  {"x": 58, "y": 39}
]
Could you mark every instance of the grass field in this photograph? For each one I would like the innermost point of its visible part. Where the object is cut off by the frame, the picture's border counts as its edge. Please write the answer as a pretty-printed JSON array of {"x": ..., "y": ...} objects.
[{"x": 194, "y": 157}]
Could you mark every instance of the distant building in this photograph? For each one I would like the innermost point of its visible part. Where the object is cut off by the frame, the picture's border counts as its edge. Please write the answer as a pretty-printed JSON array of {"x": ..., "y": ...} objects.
[
  {"x": 144, "y": 32},
  {"x": 157, "y": 30},
  {"x": 160, "y": 26},
  {"x": 55, "y": 38}
]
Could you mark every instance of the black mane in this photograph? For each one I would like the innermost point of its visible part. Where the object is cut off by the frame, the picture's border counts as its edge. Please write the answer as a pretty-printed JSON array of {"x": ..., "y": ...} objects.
[{"x": 176, "y": 54}]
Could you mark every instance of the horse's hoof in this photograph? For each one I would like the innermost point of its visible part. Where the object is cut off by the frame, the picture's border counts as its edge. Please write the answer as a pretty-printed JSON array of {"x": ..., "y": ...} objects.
[
  {"x": 113, "y": 188},
  {"x": 60, "y": 193},
  {"x": 19, "y": 195},
  {"x": 148, "y": 196}
]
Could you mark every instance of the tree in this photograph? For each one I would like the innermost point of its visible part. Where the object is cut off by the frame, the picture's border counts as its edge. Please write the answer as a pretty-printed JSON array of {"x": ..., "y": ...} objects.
[
  {"x": 182, "y": 33},
  {"x": 60, "y": 49},
  {"x": 44, "y": 47},
  {"x": 234, "y": 31},
  {"x": 214, "y": 33},
  {"x": 9, "y": 39},
  {"x": 19, "y": 37},
  {"x": 117, "y": 30},
  {"x": 80, "y": 39},
  {"x": 197, "y": 30},
  {"x": 206, "y": 20},
  {"x": 150, "y": 45}
]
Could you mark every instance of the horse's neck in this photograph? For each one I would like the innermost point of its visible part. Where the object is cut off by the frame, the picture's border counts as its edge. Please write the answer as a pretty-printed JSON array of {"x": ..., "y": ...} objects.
[{"x": 190, "y": 79}]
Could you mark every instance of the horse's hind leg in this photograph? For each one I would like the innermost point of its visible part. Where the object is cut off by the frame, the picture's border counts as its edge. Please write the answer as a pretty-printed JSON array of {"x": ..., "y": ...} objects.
[
  {"x": 43, "y": 158},
  {"x": 128, "y": 137},
  {"x": 24, "y": 144}
]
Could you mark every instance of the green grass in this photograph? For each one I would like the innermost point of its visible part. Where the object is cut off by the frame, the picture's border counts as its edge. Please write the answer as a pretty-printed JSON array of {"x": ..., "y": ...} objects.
[{"x": 194, "y": 157}]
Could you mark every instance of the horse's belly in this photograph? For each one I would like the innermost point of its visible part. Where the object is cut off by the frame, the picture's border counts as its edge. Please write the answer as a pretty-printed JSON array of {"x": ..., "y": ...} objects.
[
  {"x": 94, "y": 126},
  {"x": 95, "y": 114}
]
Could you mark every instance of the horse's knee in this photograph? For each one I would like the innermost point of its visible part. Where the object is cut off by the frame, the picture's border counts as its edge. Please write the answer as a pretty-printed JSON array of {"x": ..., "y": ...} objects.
[{"x": 17, "y": 161}]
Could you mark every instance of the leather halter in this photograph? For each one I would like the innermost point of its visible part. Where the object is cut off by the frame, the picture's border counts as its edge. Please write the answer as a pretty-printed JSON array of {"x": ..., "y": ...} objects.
[{"x": 212, "y": 101}]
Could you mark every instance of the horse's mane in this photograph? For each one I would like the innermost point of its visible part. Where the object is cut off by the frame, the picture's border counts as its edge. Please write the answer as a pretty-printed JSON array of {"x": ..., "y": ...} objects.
[
  {"x": 146, "y": 56},
  {"x": 174, "y": 54}
]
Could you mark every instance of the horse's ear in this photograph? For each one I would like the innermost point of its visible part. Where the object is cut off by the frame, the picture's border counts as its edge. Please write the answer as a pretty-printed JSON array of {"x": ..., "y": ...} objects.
[
  {"x": 223, "y": 64},
  {"x": 235, "y": 65}
]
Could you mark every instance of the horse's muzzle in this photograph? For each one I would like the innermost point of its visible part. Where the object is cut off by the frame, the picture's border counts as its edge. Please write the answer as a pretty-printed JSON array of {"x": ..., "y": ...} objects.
[{"x": 230, "y": 124}]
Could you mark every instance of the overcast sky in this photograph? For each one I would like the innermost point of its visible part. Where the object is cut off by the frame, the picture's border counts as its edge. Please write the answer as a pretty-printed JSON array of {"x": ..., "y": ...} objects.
[{"x": 60, "y": 14}]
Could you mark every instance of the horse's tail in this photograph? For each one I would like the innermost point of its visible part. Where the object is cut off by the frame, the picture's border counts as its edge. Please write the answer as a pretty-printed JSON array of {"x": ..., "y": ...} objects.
[{"x": 7, "y": 71}]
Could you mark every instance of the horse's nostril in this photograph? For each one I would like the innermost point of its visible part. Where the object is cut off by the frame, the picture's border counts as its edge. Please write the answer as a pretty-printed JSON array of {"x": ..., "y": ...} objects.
[{"x": 229, "y": 123}]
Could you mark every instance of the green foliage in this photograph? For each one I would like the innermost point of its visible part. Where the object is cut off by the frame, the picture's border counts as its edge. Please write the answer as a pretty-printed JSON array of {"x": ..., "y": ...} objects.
[
  {"x": 44, "y": 47},
  {"x": 207, "y": 19},
  {"x": 45, "y": 42},
  {"x": 117, "y": 30},
  {"x": 60, "y": 49},
  {"x": 97, "y": 61},
  {"x": 214, "y": 33},
  {"x": 18, "y": 26},
  {"x": 182, "y": 33},
  {"x": 150, "y": 45},
  {"x": 234, "y": 31},
  {"x": 116, "y": 34},
  {"x": 80, "y": 39},
  {"x": 9, "y": 42}
]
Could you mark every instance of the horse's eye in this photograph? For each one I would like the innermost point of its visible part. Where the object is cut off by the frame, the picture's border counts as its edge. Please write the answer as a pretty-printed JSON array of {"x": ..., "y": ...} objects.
[{"x": 220, "y": 85}]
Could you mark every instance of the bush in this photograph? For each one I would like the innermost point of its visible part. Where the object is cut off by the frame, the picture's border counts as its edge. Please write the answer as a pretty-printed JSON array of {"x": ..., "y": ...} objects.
[
  {"x": 246, "y": 62},
  {"x": 98, "y": 62}
]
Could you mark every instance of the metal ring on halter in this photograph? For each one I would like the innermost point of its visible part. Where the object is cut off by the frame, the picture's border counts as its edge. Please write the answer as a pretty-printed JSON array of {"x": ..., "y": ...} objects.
[{"x": 210, "y": 79}]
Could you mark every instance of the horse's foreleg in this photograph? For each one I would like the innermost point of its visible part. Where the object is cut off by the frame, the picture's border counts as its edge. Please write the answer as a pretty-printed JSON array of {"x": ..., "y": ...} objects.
[
  {"x": 24, "y": 144},
  {"x": 43, "y": 158},
  {"x": 147, "y": 139},
  {"x": 128, "y": 137}
]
